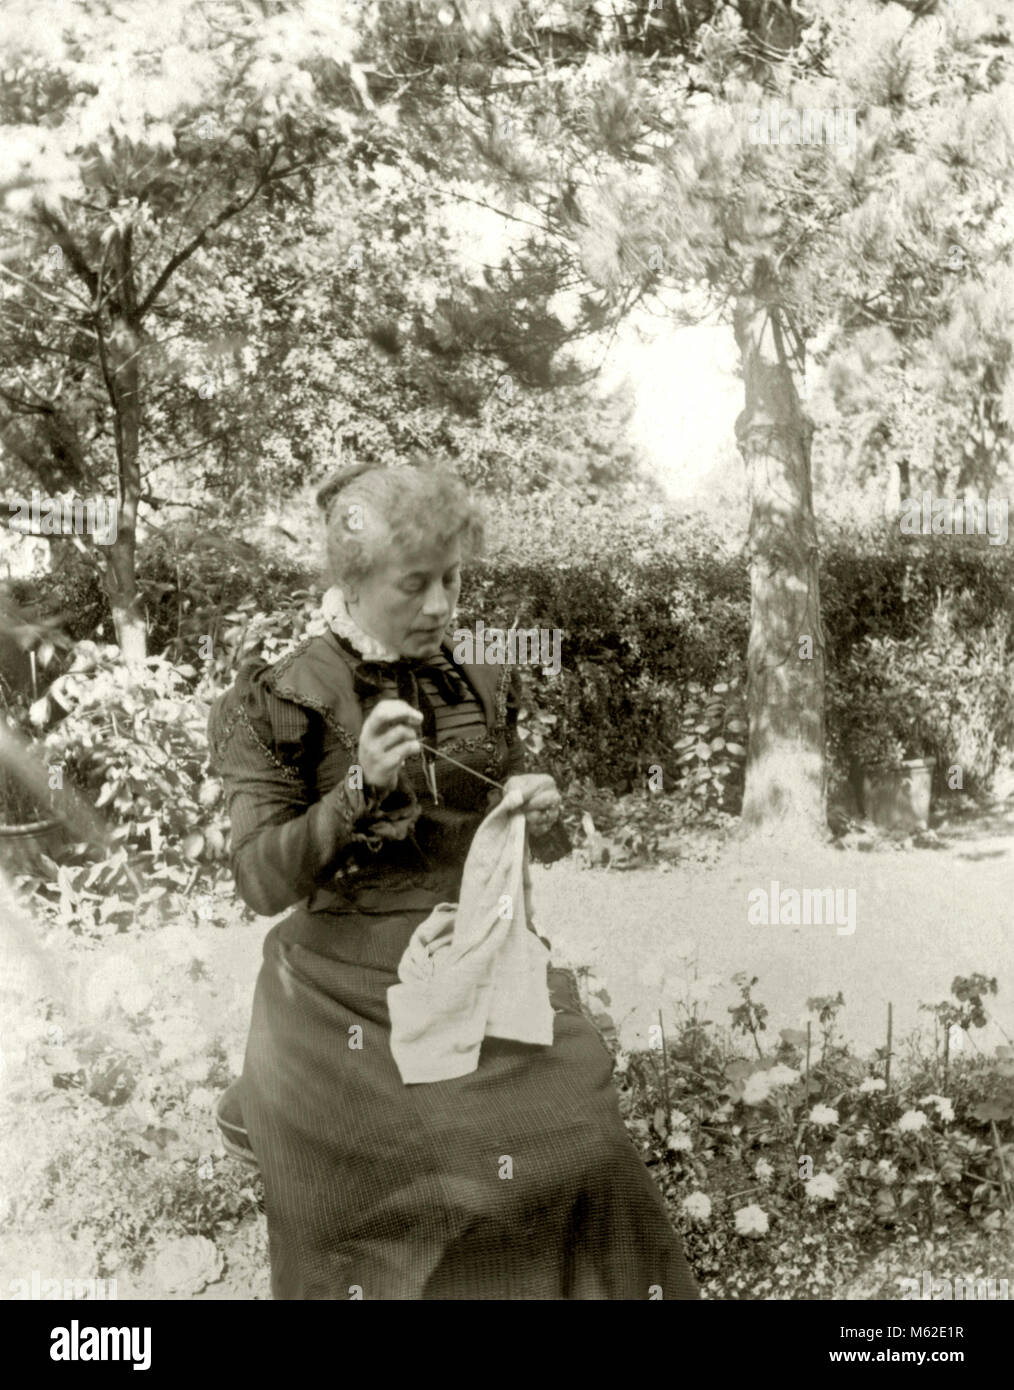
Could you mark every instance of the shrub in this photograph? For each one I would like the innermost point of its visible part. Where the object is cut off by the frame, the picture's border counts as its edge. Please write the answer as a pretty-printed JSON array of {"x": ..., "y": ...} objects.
[
  {"x": 138, "y": 746},
  {"x": 943, "y": 693},
  {"x": 654, "y": 609}
]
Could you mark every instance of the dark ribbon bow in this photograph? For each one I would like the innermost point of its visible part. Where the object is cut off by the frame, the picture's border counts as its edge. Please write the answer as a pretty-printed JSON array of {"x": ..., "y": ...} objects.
[{"x": 372, "y": 677}]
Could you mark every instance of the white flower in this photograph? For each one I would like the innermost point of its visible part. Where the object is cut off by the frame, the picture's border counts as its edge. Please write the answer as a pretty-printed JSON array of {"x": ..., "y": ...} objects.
[
  {"x": 677, "y": 1120},
  {"x": 888, "y": 1172},
  {"x": 185, "y": 1265},
  {"x": 822, "y": 1187},
  {"x": 862, "y": 1137},
  {"x": 944, "y": 1108},
  {"x": 698, "y": 1206},
  {"x": 756, "y": 1090},
  {"x": 823, "y": 1115},
  {"x": 912, "y": 1121},
  {"x": 760, "y": 1084},
  {"x": 751, "y": 1221},
  {"x": 872, "y": 1084},
  {"x": 680, "y": 1142},
  {"x": 200, "y": 1098},
  {"x": 763, "y": 1170},
  {"x": 782, "y": 1075}
]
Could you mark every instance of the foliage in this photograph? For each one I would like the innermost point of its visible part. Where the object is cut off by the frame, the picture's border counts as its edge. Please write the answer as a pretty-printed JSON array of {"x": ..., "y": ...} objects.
[
  {"x": 653, "y": 611},
  {"x": 115, "y": 1161},
  {"x": 109, "y": 1135},
  {"x": 728, "y": 1139},
  {"x": 941, "y": 693},
  {"x": 640, "y": 829},
  {"x": 710, "y": 747},
  {"x": 138, "y": 747}
]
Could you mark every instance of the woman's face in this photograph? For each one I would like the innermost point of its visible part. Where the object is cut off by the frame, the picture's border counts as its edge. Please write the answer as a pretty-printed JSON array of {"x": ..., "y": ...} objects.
[{"x": 407, "y": 599}]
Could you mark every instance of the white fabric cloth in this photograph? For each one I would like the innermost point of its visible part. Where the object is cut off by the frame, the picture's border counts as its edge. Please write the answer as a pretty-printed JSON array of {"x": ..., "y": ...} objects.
[{"x": 474, "y": 969}]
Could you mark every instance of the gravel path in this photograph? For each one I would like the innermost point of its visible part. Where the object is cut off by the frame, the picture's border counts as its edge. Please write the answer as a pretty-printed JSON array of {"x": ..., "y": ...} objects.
[{"x": 922, "y": 916}]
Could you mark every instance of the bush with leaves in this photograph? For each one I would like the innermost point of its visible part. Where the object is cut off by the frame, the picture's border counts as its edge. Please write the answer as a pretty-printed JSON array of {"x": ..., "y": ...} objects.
[
  {"x": 944, "y": 693},
  {"x": 135, "y": 743},
  {"x": 653, "y": 609},
  {"x": 711, "y": 748}
]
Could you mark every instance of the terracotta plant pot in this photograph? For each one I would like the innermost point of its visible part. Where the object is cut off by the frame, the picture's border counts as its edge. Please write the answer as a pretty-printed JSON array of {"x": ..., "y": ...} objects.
[
  {"x": 22, "y": 846},
  {"x": 899, "y": 798}
]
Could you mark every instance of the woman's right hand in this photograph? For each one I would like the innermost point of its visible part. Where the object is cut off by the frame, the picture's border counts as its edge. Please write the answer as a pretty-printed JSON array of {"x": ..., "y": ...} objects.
[{"x": 389, "y": 735}]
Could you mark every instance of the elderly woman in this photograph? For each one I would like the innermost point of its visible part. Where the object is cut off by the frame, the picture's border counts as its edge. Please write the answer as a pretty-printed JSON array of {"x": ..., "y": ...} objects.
[{"x": 516, "y": 1180}]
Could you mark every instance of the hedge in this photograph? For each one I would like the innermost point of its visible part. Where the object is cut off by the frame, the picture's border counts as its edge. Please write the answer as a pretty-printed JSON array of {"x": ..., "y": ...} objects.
[{"x": 653, "y": 609}]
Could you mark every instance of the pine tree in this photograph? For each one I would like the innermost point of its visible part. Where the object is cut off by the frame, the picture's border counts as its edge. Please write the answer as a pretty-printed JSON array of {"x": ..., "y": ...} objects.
[{"x": 744, "y": 160}]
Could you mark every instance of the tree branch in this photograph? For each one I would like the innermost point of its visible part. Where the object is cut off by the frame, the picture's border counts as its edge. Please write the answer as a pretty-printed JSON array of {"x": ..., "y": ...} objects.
[
  {"x": 54, "y": 224},
  {"x": 175, "y": 261}
]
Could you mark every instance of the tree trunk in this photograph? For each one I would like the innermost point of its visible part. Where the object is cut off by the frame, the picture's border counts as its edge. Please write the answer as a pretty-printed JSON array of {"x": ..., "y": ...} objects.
[
  {"x": 123, "y": 379},
  {"x": 785, "y": 774},
  {"x": 124, "y": 600}
]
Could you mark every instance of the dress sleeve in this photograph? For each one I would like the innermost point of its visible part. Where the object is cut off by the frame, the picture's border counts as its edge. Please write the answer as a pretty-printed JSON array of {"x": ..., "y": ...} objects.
[{"x": 284, "y": 843}]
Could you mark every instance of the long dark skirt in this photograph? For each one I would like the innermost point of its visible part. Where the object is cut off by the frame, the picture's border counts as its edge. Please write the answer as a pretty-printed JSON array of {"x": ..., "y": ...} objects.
[{"x": 518, "y": 1181}]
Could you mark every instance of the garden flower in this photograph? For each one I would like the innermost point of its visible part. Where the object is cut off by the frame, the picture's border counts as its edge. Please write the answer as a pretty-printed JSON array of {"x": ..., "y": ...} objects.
[
  {"x": 186, "y": 1265},
  {"x": 872, "y": 1084},
  {"x": 823, "y": 1115},
  {"x": 822, "y": 1187},
  {"x": 912, "y": 1121},
  {"x": 944, "y": 1108},
  {"x": 751, "y": 1221},
  {"x": 763, "y": 1170},
  {"x": 698, "y": 1206},
  {"x": 862, "y": 1137},
  {"x": 888, "y": 1172},
  {"x": 677, "y": 1120},
  {"x": 782, "y": 1075},
  {"x": 756, "y": 1090},
  {"x": 760, "y": 1084},
  {"x": 680, "y": 1142}
]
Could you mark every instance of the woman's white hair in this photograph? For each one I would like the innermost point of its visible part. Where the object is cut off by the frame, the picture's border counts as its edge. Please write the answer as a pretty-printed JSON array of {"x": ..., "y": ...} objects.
[{"x": 368, "y": 510}]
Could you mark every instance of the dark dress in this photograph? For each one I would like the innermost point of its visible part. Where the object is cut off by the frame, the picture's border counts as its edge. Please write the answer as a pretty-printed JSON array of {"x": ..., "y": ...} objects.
[{"x": 517, "y": 1181}]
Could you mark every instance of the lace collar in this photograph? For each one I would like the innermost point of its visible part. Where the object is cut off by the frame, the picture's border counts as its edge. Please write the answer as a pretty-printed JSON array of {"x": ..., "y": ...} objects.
[{"x": 342, "y": 624}]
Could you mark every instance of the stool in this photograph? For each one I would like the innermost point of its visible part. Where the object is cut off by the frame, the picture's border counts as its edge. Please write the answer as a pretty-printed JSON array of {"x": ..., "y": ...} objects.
[{"x": 229, "y": 1117}]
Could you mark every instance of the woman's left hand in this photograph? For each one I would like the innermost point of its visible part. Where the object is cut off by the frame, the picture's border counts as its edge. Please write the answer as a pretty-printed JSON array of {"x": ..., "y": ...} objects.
[{"x": 537, "y": 794}]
